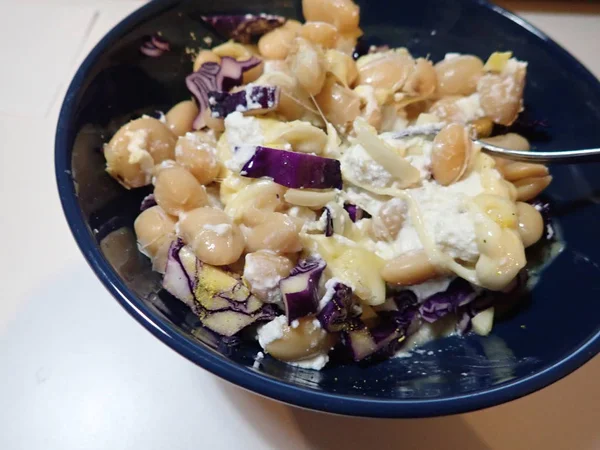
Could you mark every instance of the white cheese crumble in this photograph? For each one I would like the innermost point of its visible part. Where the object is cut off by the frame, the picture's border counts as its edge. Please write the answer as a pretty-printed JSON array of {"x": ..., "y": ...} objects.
[
  {"x": 315, "y": 363},
  {"x": 446, "y": 217},
  {"x": 450, "y": 56},
  {"x": 271, "y": 331},
  {"x": 264, "y": 283},
  {"x": 470, "y": 108},
  {"x": 222, "y": 229},
  {"x": 359, "y": 166},
  {"x": 243, "y": 135},
  {"x": 329, "y": 291},
  {"x": 258, "y": 359},
  {"x": 138, "y": 153}
]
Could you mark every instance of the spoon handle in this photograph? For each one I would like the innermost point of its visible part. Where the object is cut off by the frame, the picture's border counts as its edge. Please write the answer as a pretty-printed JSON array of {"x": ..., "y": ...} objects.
[{"x": 563, "y": 157}]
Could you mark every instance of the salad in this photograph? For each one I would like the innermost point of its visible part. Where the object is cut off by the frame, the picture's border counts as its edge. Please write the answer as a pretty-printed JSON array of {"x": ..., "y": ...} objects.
[{"x": 323, "y": 200}]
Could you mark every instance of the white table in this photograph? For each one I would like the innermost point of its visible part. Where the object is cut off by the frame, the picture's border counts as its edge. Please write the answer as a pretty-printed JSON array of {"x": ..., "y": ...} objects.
[{"x": 79, "y": 373}]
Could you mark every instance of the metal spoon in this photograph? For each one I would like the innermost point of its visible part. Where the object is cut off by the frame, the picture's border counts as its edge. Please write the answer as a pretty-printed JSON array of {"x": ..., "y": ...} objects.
[{"x": 560, "y": 157}]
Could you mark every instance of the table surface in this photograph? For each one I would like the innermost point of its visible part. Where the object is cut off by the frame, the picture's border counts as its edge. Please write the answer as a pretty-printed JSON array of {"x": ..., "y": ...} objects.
[{"x": 79, "y": 373}]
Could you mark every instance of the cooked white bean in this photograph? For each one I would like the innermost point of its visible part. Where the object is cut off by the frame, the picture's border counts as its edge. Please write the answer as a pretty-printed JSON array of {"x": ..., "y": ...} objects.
[
  {"x": 276, "y": 44},
  {"x": 197, "y": 153},
  {"x": 211, "y": 234},
  {"x": 389, "y": 220},
  {"x": 176, "y": 190},
  {"x": 181, "y": 117},
  {"x": 529, "y": 188},
  {"x": 154, "y": 228},
  {"x": 302, "y": 342},
  {"x": 512, "y": 141},
  {"x": 263, "y": 271},
  {"x": 408, "y": 269},
  {"x": 343, "y": 14},
  {"x": 451, "y": 154},
  {"x": 277, "y": 233},
  {"x": 134, "y": 150},
  {"x": 339, "y": 104},
  {"x": 531, "y": 224},
  {"x": 321, "y": 33},
  {"x": 518, "y": 170},
  {"x": 459, "y": 75},
  {"x": 307, "y": 63}
]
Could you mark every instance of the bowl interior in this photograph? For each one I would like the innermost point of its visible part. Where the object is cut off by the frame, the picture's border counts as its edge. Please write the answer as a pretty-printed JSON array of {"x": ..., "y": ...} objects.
[{"x": 556, "y": 328}]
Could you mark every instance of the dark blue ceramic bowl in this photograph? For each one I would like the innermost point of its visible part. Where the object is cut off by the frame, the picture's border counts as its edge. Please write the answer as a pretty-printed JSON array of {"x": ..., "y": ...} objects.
[{"x": 554, "y": 332}]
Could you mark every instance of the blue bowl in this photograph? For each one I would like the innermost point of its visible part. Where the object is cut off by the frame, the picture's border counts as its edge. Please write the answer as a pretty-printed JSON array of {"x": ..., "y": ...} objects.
[{"x": 556, "y": 329}]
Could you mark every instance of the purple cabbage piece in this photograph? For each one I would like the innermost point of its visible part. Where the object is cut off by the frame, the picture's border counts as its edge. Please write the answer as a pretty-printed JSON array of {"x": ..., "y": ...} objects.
[
  {"x": 244, "y": 28},
  {"x": 383, "y": 340},
  {"x": 356, "y": 213},
  {"x": 254, "y": 99},
  {"x": 328, "y": 222},
  {"x": 459, "y": 293},
  {"x": 488, "y": 299},
  {"x": 177, "y": 281},
  {"x": 294, "y": 170},
  {"x": 217, "y": 77},
  {"x": 147, "y": 202},
  {"x": 340, "y": 308},
  {"x": 228, "y": 312},
  {"x": 155, "y": 46},
  {"x": 358, "y": 340},
  {"x": 299, "y": 290}
]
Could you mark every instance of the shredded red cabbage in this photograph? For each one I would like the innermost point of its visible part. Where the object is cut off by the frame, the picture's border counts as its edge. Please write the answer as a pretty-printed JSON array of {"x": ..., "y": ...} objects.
[
  {"x": 255, "y": 99},
  {"x": 244, "y": 28},
  {"x": 459, "y": 293},
  {"x": 294, "y": 170},
  {"x": 299, "y": 290},
  {"x": 356, "y": 213},
  {"x": 216, "y": 77},
  {"x": 340, "y": 308},
  {"x": 155, "y": 46},
  {"x": 147, "y": 202}
]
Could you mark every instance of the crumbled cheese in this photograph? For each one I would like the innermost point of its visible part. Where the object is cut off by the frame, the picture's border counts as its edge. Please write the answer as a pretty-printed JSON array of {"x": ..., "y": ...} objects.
[
  {"x": 271, "y": 331},
  {"x": 295, "y": 323},
  {"x": 446, "y": 217},
  {"x": 329, "y": 291},
  {"x": 470, "y": 108},
  {"x": 512, "y": 66},
  {"x": 243, "y": 135},
  {"x": 265, "y": 283},
  {"x": 314, "y": 363},
  {"x": 359, "y": 166},
  {"x": 255, "y": 98},
  {"x": 422, "y": 163},
  {"x": 137, "y": 145},
  {"x": 257, "y": 360},
  {"x": 221, "y": 229},
  {"x": 450, "y": 56}
]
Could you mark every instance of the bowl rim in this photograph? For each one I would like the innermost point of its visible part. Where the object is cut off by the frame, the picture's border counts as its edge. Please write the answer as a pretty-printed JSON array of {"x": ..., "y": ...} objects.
[{"x": 244, "y": 377}]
